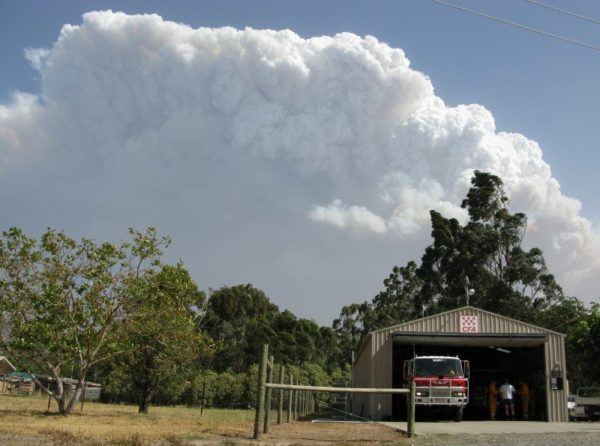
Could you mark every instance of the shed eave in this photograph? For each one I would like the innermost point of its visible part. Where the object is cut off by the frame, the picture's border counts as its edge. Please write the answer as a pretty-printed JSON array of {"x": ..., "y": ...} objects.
[{"x": 472, "y": 339}]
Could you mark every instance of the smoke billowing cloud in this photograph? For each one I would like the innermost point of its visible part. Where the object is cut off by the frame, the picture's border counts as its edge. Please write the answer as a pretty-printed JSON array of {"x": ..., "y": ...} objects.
[{"x": 307, "y": 166}]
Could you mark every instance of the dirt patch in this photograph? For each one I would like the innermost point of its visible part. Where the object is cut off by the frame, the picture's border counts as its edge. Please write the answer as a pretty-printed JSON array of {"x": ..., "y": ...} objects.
[
  {"x": 317, "y": 433},
  {"x": 50, "y": 438}
]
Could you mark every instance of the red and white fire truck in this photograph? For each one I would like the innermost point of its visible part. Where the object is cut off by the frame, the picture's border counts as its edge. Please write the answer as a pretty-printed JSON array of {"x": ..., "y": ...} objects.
[{"x": 440, "y": 381}]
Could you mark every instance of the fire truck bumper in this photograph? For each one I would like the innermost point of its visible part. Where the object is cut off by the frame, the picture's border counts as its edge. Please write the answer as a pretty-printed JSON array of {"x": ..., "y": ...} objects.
[{"x": 439, "y": 401}]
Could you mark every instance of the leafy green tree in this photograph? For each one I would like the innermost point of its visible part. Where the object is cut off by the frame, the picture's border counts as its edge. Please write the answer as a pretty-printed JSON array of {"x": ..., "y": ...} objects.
[
  {"x": 292, "y": 340},
  {"x": 224, "y": 389},
  {"x": 312, "y": 375},
  {"x": 399, "y": 301},
  {"x": 241, "y": 318},
  {"x": 488, "y": 250},
  {"x": 327, "y": 353},
  {"x": 583, "y": 350},
  {"x": 64, "y": 302},
  {"x": 229, "y": 313},
  {"x": 162, "y": 333},
  {"x": 341, "y": 374},
  {"x": 442, "y": 265},
  {"x": 350, "y": 327},
  {"x": 563, "y": 316}
]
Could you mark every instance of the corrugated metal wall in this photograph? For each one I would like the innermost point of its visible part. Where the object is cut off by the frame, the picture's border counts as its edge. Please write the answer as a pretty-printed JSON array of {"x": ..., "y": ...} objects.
[
  {"x": 555, "y": 359},
  {"x": 363, "y": 376},
  {"x": 373, "y": 364}
]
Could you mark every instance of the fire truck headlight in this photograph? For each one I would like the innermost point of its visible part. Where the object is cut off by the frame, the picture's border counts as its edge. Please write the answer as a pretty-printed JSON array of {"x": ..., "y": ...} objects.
[
  {"x": 422, "y": 393},
  {"x": 458, "y": 394}
]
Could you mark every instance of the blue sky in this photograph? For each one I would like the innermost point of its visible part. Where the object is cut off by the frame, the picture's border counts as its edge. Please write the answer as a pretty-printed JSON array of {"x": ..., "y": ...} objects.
[{"x": 545, "y": 89}]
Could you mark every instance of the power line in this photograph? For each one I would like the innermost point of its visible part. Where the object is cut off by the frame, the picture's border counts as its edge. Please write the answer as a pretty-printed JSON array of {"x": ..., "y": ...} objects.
[
  {"x": 517, "y": 25},
  {"x": 562, "y": 11}
]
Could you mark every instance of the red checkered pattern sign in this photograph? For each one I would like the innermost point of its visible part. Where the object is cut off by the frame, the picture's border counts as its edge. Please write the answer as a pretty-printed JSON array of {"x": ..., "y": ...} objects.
[{"x": 469, "y": 324}]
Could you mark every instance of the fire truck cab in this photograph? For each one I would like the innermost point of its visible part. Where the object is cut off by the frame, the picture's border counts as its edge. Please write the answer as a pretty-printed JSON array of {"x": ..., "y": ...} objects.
[{"x": 440, "y": 381}]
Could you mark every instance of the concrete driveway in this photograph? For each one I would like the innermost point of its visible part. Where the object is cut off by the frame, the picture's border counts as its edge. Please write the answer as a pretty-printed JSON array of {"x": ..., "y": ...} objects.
[{"x": 496, "y": 427}]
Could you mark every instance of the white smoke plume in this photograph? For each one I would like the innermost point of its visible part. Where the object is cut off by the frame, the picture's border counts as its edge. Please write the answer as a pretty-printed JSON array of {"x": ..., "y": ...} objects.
[
  {"x": 234, "y": 141},
  {"x": 342, "y": 216}
]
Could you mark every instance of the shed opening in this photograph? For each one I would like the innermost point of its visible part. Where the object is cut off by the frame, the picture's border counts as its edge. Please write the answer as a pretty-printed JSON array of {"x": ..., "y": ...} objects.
[{"x": 516, "y": 358}]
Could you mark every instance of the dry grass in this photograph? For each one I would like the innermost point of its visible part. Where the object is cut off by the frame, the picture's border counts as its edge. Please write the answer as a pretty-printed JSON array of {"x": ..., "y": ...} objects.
[
  {"x": 120, "y": 424},
  {"x": 24, "y": 422}
]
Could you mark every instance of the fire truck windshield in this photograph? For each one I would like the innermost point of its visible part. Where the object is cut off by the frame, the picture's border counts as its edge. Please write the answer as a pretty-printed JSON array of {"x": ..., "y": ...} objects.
[{"x": 450, "y": 367}]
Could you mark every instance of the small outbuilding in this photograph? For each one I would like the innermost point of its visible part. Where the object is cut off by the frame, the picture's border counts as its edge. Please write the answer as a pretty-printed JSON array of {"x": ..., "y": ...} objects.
[
  {"x": 498, "y": 348},
  {"x": 6, "y": 366}
]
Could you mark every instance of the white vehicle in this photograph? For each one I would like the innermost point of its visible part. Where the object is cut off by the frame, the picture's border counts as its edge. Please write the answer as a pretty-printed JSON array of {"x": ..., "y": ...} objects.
[{"x": 585, "y": 405}]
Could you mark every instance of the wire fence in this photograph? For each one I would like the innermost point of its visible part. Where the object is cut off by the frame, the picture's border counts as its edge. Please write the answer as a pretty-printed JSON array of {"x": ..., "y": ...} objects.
[{"x": 296, "y": 399}]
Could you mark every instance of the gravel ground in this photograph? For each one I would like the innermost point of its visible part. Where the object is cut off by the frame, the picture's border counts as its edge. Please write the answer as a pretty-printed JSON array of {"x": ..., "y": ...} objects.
[{"x": 550, "y": 439}]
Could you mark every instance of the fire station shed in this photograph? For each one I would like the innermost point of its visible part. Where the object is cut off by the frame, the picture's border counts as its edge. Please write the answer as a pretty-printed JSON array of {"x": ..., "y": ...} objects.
[{"x": 498, "y": 348}]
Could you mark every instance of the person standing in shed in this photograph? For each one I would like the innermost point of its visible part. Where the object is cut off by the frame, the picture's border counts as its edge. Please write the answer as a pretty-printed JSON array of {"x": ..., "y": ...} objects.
[
  {"x": 492, "y": 399},
  {"x": 507, "y": 393},
  {"x": 524, "y": 392}
]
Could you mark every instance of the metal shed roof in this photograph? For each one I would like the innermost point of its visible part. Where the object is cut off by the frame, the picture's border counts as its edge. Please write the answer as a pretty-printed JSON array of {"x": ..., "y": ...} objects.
[
  {"x": 6, "y": 365},
  {"x": 472, "y": 310},
  {"x": 445, "y": 323}
]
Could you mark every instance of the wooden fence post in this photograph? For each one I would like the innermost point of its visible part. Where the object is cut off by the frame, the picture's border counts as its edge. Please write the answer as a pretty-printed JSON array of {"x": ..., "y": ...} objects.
[
  {"x": 407, "y": 403},
  {"x": 260, "y": 392},
  {"x": 410, "y": 428},
  {"x": 268, "y": 395},
  {"x": 304, "y": 393},
  {"x": 304, "y": 399},
  {"x": 83, "y": 396},
  {"x": 290, "y": 400},
  {"x": 305, "y": 402},
  {"x": 280, "y": 394},
  {"x": 296, "y": 404},
  {"x": 203, "y": 397}
]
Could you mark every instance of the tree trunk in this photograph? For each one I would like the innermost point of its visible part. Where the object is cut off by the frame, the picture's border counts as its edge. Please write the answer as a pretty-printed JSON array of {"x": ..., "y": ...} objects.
[
  {"x": 144, "y": 404},
  {"x": 62, "y": 404},
  {"x": 64, "y": 398},
  {"x": 75, "y": 397},
  {"x": 67, "y": 398},
  {"x": 62, "y": 393}
]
